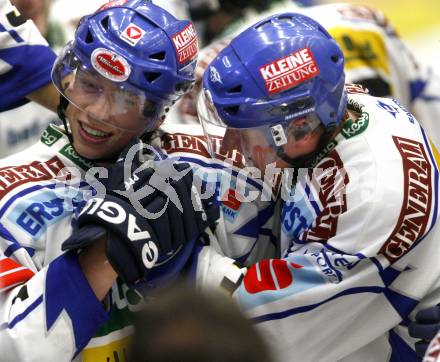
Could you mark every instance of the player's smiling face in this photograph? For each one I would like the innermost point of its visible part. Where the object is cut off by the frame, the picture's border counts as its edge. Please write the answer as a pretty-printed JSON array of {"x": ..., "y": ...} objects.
[
  {"x": 103, "y": 116},
  {"x": 94, "y": 139}
]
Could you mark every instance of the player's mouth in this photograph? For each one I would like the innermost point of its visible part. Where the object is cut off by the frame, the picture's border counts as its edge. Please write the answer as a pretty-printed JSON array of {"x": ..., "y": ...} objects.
[{"x": 93, "y": 135}]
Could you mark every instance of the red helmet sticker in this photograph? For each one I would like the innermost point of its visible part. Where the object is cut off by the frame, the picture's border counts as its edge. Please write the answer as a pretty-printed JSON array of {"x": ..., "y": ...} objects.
[
  {"x": 289, "y": 71},
  {"x": 185, "y": 43},
  {"x": 132, "y": 34},
  {"x": 110, "y": 65},
  {"x": 112, "y": 4}
]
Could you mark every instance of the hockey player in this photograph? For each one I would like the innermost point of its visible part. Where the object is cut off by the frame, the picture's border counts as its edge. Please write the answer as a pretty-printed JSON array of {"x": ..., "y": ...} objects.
[
  {"x": 375, "y": 56},
  {"x": 357, "y": 211},
  {"x": 129, "y": 62},
  {"x": 25, "y": 63}
]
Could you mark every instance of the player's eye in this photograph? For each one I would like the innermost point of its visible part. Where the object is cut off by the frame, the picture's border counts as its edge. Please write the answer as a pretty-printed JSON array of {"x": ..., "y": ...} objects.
[
  {"x": 90, "y": 86},
  {"x": 131, "y": 101}
]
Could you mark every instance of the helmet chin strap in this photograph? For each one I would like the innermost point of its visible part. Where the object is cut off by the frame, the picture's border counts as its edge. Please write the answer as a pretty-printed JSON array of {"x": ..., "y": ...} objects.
[{"x": 61, "y": 111}]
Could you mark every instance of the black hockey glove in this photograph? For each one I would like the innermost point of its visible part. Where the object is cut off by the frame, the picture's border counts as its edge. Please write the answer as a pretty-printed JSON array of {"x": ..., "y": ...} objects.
[
  {"x": 152, "y": 215},
  {"x": 425, "y": 327}
]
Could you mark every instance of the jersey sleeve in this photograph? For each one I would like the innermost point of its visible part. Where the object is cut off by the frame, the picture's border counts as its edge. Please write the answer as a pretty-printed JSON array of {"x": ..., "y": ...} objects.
[
  {"x": 48, "y": 311},
  {"x": 342, "y": 301},
  {"x": 47, "y": 314},
  {"x": 25, "y": 58}
]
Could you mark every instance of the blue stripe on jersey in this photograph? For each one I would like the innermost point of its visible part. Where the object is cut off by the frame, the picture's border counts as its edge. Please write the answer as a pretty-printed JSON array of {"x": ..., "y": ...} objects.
[
  {"x": 15, "y": 245},
  {"x": 31, "y": 189},
  {"x": 5, "y": 234},
  {"x": 416, "y": 88},
  {"x": 401, "y": 352},
  {"x": 24, "y": 314},
  {"x": 67, "y": 289},
  {"x": 436, "y": 176},
  {"x": 11, "y": 249},
  {"x": 12, "y": 33},
  {"x": 388, "y": 275},
  {"x": 307, "y": 308},
  {"x": 250, "y": 229},
  {"x": 336, "y": 250},
  {"x": 31, "y": 66},
  {"x": 312, "y": 202},
  {"x": 401, "y": 303}
]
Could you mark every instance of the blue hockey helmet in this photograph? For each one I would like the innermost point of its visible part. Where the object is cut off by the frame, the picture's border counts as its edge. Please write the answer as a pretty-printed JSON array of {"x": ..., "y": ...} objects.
[
  {"x": 282, "y": 69},
  {"x": 136, "y": 52}
]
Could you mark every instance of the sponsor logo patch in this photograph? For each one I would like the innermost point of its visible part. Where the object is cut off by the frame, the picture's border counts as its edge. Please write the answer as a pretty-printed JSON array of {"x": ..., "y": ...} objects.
[
  {"x": 330, "y": 179},
  {"x": 269, "y": 275},
  {"x": 36, "y": 214},
  {"x": 231, "y": 200},
  {"x": 388, "y": 108},
  {"x": 185, "y": 43},
  {"x": 414, "y": 215},
  {"x": 289, "y": 71},
  {"x": 11, "y": 177},
  {"x": 280, "y": 276},
  {"x": 110, "y": 65},
  {"x": 179, "y": 142},
  {"x": 69, "y": 152},
  {"x": 132, "y": 34},
  {"x": 50, "y": 135},
  {"x": 214, "y": 75},
  {"x": 355, "y": 127}
]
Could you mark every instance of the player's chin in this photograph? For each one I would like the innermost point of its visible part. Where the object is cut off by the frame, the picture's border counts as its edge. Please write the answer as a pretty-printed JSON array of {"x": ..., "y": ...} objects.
[{"x": 91, "y": 152}]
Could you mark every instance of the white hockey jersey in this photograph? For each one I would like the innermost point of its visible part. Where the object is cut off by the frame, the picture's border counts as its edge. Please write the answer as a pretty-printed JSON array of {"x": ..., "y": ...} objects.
[
  {"x": 25, "y": 58},
  {"x": 47, "y": 310},
  {"x": 359, "y": 245}
]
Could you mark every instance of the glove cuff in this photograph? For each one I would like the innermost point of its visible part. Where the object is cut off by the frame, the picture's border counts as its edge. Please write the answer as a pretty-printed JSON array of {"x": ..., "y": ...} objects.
[
  {"x": 218, "y": 272},
  {"x": 131, "y": 238},
  {"x": 83, "y": 237}
]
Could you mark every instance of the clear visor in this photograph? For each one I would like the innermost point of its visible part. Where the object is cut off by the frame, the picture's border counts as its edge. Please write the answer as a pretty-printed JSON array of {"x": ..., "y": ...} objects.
[
  {"x": 257, "y": 146},
  {"x": 116, "y": 104}
]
